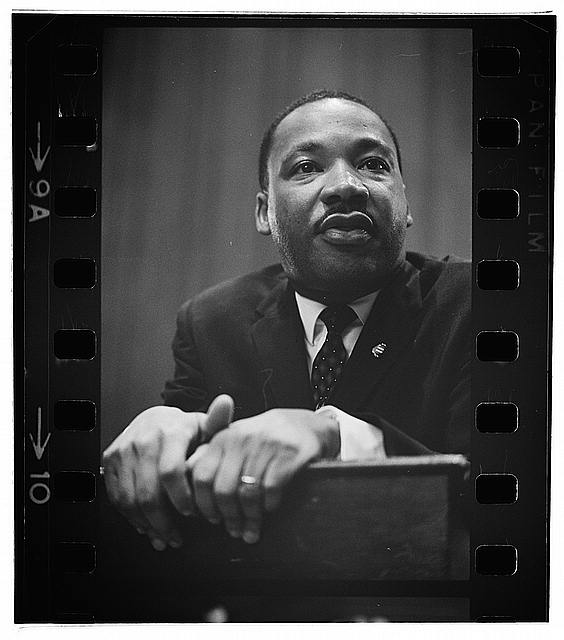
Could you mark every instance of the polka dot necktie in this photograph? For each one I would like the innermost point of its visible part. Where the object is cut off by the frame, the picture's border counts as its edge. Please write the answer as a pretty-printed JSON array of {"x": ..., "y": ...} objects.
[{"x": 330, "y": 359}]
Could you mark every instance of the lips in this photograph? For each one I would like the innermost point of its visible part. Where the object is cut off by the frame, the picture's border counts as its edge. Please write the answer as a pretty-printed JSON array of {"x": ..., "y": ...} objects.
[
  {"x": 347, "y": 222},
  {"x": 347, "y": 229}
]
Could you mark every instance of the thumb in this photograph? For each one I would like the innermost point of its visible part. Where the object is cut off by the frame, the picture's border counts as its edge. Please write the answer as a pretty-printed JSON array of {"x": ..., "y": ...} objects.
[{"x": 220, "y": 415}]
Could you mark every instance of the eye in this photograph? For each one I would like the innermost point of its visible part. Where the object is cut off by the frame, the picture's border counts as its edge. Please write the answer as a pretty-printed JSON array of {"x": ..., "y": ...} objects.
[
  {"x": 306, "y": 166},
  {"x": 374, "y": 164}
]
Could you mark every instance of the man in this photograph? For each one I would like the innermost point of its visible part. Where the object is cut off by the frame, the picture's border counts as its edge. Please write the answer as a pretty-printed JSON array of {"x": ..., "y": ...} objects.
[{"x": 347, "y": 349}]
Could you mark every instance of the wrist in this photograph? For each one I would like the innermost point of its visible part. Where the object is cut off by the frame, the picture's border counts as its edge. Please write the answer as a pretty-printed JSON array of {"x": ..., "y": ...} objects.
[{"x": 328, "y": 433}]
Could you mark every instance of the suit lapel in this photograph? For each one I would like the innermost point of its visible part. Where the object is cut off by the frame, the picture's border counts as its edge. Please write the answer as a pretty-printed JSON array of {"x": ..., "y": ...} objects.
[
  {"x": 279, "y": 341},
  {"x": 389, "y": 327}
]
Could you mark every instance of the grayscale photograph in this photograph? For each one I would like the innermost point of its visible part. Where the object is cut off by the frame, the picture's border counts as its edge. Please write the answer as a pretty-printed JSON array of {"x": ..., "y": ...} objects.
[{"x": 285, "y": 366}]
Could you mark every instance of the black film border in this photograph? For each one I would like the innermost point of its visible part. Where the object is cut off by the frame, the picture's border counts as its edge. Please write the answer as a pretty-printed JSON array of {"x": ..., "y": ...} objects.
[{"x": 47, "y": 525}]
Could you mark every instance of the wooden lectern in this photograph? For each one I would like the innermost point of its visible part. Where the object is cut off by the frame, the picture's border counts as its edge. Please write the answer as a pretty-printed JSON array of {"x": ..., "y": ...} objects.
[{"x": 391, "y": 532}]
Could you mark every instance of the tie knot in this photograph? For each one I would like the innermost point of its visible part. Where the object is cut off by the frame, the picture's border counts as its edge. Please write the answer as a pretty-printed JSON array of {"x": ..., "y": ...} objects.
[{"x": 337, "y": 318}]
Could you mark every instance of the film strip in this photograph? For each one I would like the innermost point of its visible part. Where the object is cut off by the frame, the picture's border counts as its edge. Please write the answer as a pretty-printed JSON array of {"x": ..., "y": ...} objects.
[
  {"x": 62, "y": 232},
  {"x": 511, "y": 249},
  {"x": 58, "y": 122}
]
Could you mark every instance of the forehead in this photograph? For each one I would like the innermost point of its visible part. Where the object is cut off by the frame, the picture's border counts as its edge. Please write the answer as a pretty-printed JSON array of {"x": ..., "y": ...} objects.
[{"x": 329, "y": 121}]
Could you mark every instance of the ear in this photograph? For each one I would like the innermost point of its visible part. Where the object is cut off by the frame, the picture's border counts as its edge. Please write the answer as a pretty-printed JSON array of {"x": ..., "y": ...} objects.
[
  {"x": 409, "y": 218},
  {"x": 261, "y": 214}
]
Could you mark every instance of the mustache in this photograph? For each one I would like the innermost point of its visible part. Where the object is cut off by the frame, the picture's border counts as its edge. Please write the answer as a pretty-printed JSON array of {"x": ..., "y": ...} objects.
[{"x": 354, "y": 220}]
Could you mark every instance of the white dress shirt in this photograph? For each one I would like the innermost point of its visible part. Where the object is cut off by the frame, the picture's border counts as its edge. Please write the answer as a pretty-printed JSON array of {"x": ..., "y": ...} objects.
[{"x": 359, "y": 440}]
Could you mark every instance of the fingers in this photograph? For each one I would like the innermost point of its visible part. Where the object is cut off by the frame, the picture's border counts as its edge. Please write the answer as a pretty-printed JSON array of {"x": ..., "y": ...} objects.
[
  {"x": 217, "y": 472},
  {"x": 121, "y": 493},
  {"x": 145, "y": 469},
  {"x": 204, "y": 462},
  {"x": 151, "y": 500},
  {"x": 280, "y": 471},
  {"x": 251, "y": 493},
  {"x": 218, "y": 491},
  {"x": 172, "y": 473},
  {"x": 204, "y": 469},
  {"x": 268, "y": 449},
  {"x": 225, "y": 487},
  {"x": 220, "y": 415}
]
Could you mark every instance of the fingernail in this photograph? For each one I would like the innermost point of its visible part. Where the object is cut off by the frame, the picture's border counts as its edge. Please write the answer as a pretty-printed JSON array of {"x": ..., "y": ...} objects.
[
  {"x": 140, "y": 531},
  {"x": 158, "y": 545},
  {"x": 234, "y": 533},
  {"x": 175, "y": 543},
  {"x": 186, "y": 512},
  {"x": 214, "y": 520},
  {"x": 250, "y": 537}
]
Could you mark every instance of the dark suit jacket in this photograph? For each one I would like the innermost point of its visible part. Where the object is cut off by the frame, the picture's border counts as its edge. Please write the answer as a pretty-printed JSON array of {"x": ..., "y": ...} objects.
[{"x": 245, "y": 338}]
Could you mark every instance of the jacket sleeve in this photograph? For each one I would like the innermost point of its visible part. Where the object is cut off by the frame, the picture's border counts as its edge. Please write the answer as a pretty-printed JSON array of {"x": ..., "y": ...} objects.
[
  {"x": 187, "y": 389},
  {"x": 460, "y": 417},
  {"x": 454, "y": 425}
]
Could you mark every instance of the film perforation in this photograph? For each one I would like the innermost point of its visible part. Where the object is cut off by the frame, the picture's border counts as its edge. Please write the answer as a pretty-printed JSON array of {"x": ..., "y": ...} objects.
[
  {"x": 74, "y": 557},
  {"x": 498, "y": 132},
  {"x": 76, "y": 60},
  {"x": 74, "y": 486},
  {"x": 75, "y": 202},
  {"x": 74, "y": 344},
  {"x": 74, "y": 273},
  {"x": 76, "y": 131},
  {"x": 496, "y": 560},
  {"x": 498, "y": 204},
  {"x": 496, "y": 488},
  {"x": 74, "y": 415},
  {"x": 499, "y": 61},
  {"x": 498, "y": 275},
  {"x": 497, "y": 417},
  {"x": 497, "y": 346}
]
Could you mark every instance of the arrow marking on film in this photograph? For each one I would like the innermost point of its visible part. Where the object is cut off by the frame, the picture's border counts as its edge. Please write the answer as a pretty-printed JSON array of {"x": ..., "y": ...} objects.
[
  {"x": 37, "y": 446},
  {"x": 39, "y": 160}
]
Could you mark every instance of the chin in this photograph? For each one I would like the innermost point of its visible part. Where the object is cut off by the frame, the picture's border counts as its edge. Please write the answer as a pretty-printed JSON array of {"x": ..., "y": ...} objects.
[
  {"x": 354, "y": 272},
  {"x": 343, "y": 283},
  {"x": 339, "y": 273}
]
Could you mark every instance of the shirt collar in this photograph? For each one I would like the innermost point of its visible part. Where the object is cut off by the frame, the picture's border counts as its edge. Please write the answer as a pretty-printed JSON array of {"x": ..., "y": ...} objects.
[{"x": 310, "y": 309}]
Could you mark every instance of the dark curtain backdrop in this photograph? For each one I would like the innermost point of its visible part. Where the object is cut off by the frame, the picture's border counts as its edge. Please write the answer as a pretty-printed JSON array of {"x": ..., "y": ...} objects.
[{"x": 183, "y": 115}]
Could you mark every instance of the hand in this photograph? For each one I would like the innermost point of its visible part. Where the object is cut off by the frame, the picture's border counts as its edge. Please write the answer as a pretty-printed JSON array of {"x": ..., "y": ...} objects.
[
  {"x": 270, "y": 449},
  {"x": 145, "y": 466}
]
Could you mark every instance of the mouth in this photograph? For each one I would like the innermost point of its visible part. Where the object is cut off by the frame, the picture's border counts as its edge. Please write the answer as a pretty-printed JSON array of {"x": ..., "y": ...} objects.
[{"x": 354, "y": 228}]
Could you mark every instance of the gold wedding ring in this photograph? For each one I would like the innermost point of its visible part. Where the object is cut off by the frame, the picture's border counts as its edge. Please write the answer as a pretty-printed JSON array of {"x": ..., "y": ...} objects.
[{"x": 250, "y": 480}]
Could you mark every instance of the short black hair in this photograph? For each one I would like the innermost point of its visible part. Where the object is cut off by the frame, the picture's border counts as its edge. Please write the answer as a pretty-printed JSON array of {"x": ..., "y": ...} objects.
[{"x": 315, "y": 96}]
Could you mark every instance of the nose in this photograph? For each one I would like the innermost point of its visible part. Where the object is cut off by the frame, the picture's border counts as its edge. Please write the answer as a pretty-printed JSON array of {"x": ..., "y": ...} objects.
[{"x": 343, "y": 187}]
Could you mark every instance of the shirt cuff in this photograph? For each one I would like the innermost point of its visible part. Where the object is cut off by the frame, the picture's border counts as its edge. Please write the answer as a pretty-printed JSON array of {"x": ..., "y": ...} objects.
[{"x": 359, "y": 440}]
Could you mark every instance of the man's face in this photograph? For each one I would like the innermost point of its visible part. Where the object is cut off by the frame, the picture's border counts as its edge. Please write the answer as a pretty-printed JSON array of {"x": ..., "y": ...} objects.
[{"x": 336, "y": 205}]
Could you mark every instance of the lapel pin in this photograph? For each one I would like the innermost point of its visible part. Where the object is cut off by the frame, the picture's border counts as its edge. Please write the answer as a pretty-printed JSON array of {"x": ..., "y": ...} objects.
[{"x": 379, "y": 349}]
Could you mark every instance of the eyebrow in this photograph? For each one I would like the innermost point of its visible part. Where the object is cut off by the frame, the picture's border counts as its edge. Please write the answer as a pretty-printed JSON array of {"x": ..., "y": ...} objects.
[
  {"x": 369, "y": 143},
  {"x": 362, "y": 144},
  {"x": 302, "y": 147}
]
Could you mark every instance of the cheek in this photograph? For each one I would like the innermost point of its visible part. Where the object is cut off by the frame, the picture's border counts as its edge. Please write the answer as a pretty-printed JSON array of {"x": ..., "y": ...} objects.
[
  {"x": 391, "y": 203},
  {"x": 289, "y": 211}
]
